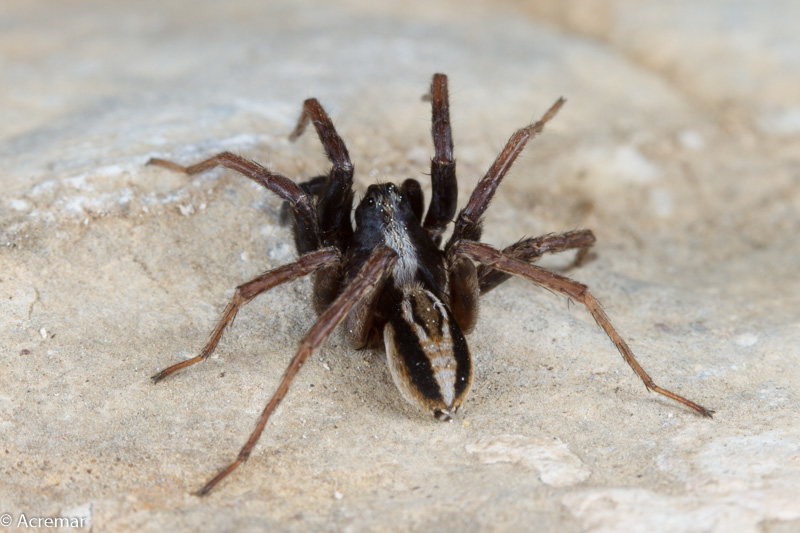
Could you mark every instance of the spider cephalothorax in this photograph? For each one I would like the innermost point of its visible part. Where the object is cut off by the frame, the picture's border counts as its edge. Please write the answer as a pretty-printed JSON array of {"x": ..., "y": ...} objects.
[{"x": 389, "y": 280}]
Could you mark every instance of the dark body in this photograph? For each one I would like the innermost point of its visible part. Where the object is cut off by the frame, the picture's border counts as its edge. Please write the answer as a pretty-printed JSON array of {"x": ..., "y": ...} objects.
[
  {"x": 390, "y": 279},
  {"x": 427, "y": 352}
]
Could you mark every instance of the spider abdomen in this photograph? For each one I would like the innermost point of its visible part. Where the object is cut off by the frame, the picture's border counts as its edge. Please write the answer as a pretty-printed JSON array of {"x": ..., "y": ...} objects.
[{"x": 428, "y": 355}]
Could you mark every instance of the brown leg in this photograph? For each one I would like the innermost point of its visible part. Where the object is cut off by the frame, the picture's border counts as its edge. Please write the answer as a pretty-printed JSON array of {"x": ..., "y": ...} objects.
[
  {"x": 444, "y": 186},
  {"x": 247, "y": 291},
  {"x": 336, "y": 199},
  {"x": 314, "y": 187},
  {"x": 489, "y": 256},
  {"x": 464, "y": 291},
  {"x": 334, "y": 146},
  {"x": 307, "y": 235},
  {"x": 529, "y": 250},
  {"x": 468, "y": 222},
  {"x": 365, "y": 281},
  {"x": 357, "y": 325}
]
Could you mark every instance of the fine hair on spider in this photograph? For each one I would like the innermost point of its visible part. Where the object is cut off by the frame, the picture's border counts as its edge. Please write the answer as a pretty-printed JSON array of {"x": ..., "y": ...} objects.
[{"x": 391, "y": 280}]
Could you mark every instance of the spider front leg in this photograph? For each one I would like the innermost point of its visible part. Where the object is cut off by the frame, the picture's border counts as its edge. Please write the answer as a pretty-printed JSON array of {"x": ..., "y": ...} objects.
[
  {"x": 364, "y": 283},
  {"x": 247, "y": 291},
  {"x": 444, "y": 186},
  {"x": 307, "y": 236},
  {"x": 495, "y": 259}
]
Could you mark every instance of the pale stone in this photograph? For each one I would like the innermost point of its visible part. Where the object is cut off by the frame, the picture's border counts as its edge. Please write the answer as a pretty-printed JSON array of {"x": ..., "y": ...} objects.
[{"x": 678, "y": 146}]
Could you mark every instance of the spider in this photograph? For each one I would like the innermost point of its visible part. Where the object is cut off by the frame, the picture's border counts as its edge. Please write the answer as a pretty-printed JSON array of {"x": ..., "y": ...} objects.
[{"x": 389, "y": 280}]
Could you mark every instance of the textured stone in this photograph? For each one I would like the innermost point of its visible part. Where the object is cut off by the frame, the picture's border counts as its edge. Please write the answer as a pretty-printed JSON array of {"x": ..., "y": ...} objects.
[{"x": 678, "y": 147}]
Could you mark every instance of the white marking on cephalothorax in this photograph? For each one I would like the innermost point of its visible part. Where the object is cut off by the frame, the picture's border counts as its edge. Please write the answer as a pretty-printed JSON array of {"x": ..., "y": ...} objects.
[
  {"x": 397, "y": 238},
  {"x": 438, "y": 345}
]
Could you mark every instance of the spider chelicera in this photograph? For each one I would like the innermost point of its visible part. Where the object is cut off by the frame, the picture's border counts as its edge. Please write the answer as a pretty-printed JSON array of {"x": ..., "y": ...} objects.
[{"x": 389, "y": 280}]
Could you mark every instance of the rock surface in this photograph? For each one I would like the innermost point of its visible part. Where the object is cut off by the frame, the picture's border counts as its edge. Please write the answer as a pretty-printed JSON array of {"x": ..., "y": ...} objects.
[{"x": 678, "y": 146}]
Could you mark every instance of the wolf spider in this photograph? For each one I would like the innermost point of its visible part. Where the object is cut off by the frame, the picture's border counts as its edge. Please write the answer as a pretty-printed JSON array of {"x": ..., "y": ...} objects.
[{"x": 389, "y": 279}]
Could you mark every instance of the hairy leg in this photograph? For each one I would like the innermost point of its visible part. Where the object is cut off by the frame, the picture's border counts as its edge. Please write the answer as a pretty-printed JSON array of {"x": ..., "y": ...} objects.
[
  {"x": 468, "y": 222},
  {"x": 444, "y": 185},
  {"x": 579, "y": 292},
  {"x": 307, "y": 236},
  {"x": 336, "y": 199},
  {"x": 247, "y": 291},
  {"x": 312, "y": 187},
  {"x": 362, "y": 285},
  {"x": 530, "y": 250}
]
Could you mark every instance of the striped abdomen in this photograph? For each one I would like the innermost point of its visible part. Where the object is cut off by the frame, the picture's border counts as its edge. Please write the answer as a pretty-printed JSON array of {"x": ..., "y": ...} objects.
[{"x": 428, "y": 356}]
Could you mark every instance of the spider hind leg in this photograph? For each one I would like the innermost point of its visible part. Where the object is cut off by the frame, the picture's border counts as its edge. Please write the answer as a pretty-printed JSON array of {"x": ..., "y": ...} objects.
[{"x": 574, "y": 290}]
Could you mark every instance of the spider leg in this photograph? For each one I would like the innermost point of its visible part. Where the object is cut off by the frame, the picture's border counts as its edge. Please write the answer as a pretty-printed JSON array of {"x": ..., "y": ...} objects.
[
  {"x": 468, "y": 222},
  {"x": 495, "y": 259},
  {"x": 443, "y": 167},
  {"x": 362, "y": 285},
  {"x": 464, "y": 291},
  {"x": 530, "y": 250},
  {"x": 467, "y": 284},
  {"x": 334, "y": 146},
  {"x": 307, "y": 235},
  {"x": 247, "y": 291},
  {"x": 312, "y": 187},
  {"x": 411, "y": 189},
  {"x": 336, "y": 199}
]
